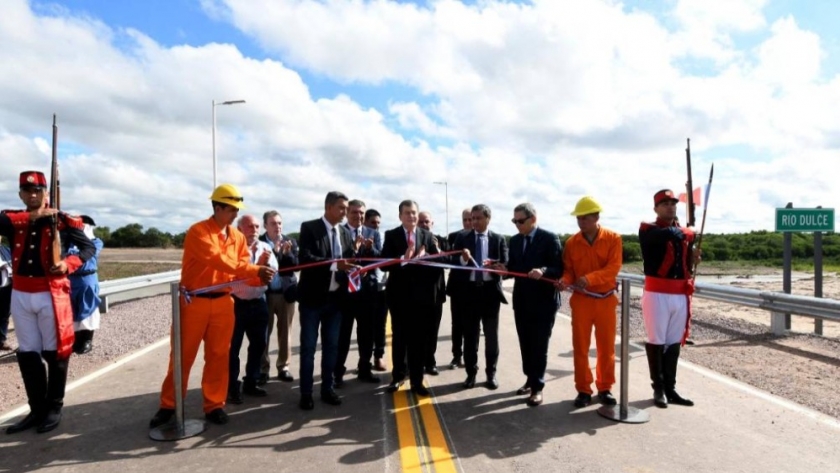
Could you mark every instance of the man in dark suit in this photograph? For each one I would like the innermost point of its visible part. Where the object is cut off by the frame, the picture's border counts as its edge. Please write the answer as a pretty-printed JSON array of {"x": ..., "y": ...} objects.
[
  {"x": 425, "y": 222},
  {"x": 359, "y": 306},
  {"x": 281, "y": 297},
  {"x": 536, "y": 252},
  {"x": 411, "y": 291},
  {"x": 455, "y": 303},
  {"x": 380, "y": 305},
  {"x": 481, "y": 292},
  {"x": 321, "y": 292}
]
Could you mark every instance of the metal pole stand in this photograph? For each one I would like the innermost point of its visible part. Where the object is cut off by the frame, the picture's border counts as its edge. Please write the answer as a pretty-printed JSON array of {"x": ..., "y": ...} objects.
[
  {"x": 181, "y": 429},
  {"x": 622, "y": 412}
]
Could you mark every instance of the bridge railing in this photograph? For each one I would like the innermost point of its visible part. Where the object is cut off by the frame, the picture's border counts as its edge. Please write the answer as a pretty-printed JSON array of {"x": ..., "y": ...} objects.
[
  {"x": 777, "y": 303},
  {"x": 136, "y": 287}
]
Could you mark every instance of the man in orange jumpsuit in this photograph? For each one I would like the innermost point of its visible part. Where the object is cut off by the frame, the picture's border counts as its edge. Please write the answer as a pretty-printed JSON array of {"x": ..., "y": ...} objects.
[
  {"x": 215, "y": 252},
  {"x": 591, "y": 262}
]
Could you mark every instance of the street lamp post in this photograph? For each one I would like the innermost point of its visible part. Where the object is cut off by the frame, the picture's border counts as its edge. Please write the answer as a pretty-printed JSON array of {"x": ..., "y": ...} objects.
[
  {"x": 446, "y": 189},
  {"x": 227, "y": 102}
]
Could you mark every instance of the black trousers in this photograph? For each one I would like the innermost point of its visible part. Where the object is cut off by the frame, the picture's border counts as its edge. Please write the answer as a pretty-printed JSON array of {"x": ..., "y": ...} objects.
[
  {"x": 5, "y": 305},
  {"x": 251, "y": 320},
  {"x": 481, "y": 310},
  {"x": 359, "y": 308},
  {"x": 432, "y": 336},
  {"x": 380, "y": 318},
  {"x": 456, "y": 306},
  {"x": 533, "y": 326},
  {"x": 409, "y": 324}
]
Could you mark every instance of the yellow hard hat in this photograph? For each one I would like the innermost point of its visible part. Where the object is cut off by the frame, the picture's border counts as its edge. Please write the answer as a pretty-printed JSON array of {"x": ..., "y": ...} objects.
[
  {"x": 585, "y": 206},
  {"x": 228, "y": 194}
]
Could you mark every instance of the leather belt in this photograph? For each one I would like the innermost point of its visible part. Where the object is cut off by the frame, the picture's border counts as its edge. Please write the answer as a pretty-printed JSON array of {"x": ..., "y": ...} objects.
[{"x": 211, "y": 295}]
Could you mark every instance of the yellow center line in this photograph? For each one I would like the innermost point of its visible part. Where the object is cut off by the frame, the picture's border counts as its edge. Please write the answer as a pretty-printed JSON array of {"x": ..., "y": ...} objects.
[{"x": 420, "y": 433}]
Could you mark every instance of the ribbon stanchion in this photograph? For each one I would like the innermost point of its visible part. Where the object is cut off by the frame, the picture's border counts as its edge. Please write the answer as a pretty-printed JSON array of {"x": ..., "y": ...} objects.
[
  {"x": 182, "y": 428},
  {"x": 623, "y": 412}
]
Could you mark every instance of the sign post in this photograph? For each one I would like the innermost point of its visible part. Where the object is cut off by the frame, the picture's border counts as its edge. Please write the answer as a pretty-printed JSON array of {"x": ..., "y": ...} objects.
[
  {"x": 804, "y": 220},
  {"x": 817, "y": 221}
]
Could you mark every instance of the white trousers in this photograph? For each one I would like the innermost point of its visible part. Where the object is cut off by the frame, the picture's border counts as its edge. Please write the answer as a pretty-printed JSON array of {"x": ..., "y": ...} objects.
[
  {"x": 89, "y": 323},
  {"x": 34, "y": 320},
  {"x": 665, "y": 317}
]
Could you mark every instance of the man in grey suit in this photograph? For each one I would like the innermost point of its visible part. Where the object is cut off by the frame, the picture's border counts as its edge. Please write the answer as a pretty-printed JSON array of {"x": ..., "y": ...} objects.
[
  {"x": 482, "y": 293},
  {"x": 359, "y": 305}
]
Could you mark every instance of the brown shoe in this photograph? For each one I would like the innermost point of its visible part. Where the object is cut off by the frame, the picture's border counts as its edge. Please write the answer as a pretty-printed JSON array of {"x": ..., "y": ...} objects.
[
  {"x": 536, "y": 399},
  {"x": 379, "y": 365}
]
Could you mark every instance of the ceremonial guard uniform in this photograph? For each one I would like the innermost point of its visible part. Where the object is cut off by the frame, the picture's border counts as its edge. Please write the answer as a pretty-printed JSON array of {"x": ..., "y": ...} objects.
[
  {"x": 84, "y": 293},
  {"x": 41, "y": 300},
  {"x": 666, "y": 301}
]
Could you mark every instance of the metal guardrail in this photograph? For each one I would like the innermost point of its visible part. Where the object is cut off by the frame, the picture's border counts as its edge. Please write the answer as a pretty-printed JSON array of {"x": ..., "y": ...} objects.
[
  {"x": 778, "y": 303},
  {"x": 140, "y": 285}
]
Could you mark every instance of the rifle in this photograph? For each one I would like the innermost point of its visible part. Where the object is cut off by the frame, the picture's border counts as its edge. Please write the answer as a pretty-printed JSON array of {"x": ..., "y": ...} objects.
[
  {"x": 699, "y": 243},
  {"x": 689, "y": 187},
  {"x": 55, "y": 197}
]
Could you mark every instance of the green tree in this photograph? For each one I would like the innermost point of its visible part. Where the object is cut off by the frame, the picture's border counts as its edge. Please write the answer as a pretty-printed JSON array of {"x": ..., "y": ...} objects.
[
  {"x": 103, "y": 233},
  {"x": 129, "y": 236}
]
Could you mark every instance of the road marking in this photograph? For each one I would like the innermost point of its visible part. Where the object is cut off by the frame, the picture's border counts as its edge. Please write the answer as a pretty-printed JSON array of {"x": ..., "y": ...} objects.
[
  {"x": 739, "y": 385},
  {"x": 90, "y": 377},
  {"x": 423, "y": 443},
  {"x": 409, "y": 453},
  {"x": 442, "y": 457}
]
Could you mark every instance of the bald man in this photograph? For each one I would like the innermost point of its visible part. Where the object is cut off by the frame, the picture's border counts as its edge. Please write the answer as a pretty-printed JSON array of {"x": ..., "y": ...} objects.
[{"x": 251, "y": 316}]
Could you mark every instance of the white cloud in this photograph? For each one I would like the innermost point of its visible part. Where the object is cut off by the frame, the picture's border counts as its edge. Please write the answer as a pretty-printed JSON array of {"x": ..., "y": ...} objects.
[{"x": 541, "y": 102}]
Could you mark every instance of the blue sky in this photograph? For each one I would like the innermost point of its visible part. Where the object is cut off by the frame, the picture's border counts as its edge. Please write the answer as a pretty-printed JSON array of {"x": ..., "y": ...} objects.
[{"x": 542, "y": 101}]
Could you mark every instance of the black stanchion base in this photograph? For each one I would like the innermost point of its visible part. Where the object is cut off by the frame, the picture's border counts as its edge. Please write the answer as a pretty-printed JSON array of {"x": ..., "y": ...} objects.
[
  {"x": 171, "y": 432},
  {"x": 630, "y": 415}
]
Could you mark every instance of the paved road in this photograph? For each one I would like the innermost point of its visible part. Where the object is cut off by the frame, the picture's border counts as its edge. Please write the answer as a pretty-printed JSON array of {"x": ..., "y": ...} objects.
[{"x": 733, "y": 428}]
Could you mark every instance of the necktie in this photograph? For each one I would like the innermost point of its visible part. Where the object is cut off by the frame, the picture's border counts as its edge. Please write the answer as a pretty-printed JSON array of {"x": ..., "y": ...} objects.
[
  {"x": 411, "y": 240},
  {"x": 336, "y": 248},
  {"x": 527, "y": 244},
  {"x": 479, "y": 255}
]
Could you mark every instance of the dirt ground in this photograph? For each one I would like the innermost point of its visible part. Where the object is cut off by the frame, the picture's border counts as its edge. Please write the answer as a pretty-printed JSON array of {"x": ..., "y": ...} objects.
[
  {"x": 736, "y": 341},
  {"x": 803, "y": 287}
]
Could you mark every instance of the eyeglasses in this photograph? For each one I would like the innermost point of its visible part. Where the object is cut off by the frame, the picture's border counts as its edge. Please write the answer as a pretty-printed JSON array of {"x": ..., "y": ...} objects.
[
  {"x": 424, "y": 221},
  {"x": 519, "y": 221},
  {"x": 235, "y": 199}
]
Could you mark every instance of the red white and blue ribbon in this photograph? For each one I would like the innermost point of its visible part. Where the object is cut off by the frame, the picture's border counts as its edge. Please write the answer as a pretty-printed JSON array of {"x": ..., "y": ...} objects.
[{"x": 355, "y": 276}]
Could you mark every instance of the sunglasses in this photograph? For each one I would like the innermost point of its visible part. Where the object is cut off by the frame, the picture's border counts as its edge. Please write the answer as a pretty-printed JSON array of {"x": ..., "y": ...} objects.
[
  {"x": 424, "y": 221},
  {"x": 235, "y": 199},
  {"x": 519, "y": 221}
]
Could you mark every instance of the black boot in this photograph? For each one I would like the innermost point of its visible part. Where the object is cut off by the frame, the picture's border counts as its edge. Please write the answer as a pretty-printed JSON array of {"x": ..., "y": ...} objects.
[
  {"x": 84, "y": 342},
  {"x": 654, "y": 356},
  {"x": 35, "y": 381},
  {"x": 669, "y": 376},
  {"x": 56, "y": 382}
]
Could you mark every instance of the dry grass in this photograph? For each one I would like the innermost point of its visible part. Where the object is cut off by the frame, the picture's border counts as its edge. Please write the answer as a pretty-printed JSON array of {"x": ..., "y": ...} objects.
[{"x": 116, "y": 270}]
